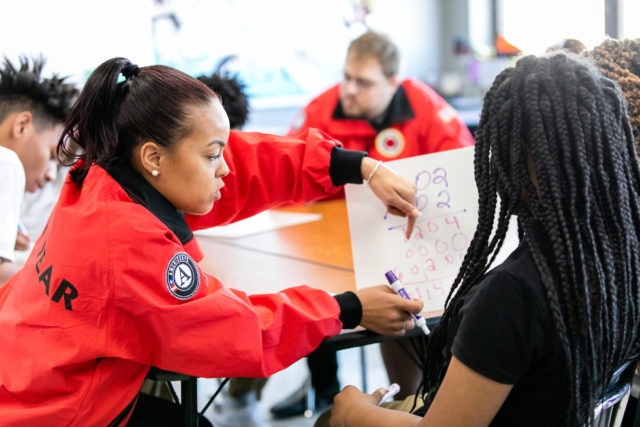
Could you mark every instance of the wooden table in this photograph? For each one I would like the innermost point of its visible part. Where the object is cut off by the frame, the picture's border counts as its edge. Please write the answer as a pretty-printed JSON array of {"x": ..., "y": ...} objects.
[{"x": 317, "y": 253}]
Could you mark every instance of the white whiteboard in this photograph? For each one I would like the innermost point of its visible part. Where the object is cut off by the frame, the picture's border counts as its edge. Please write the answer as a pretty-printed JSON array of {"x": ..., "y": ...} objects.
[{"x": 428, "y": 263}]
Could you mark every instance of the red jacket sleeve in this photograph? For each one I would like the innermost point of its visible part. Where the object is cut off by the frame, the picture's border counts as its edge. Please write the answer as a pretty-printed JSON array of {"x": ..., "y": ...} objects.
[
  {"x": 268, "y": 171},
  {"x": 219, "y": 332}
]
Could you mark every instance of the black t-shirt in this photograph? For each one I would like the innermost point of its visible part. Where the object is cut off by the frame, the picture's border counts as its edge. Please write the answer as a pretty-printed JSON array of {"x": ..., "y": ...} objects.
[{"x": 506, "y": 333}]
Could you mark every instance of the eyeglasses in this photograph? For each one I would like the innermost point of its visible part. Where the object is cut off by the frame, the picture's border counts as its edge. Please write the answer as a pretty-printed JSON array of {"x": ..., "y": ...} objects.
[{"x": 360, "y": 83}]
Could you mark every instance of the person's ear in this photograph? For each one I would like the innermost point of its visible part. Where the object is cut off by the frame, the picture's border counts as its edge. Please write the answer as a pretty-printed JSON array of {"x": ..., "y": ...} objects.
[
  {"x": 21, "y": 124},
  {"x": 150, "y": 155},
  {"x": 394, "y": 81}
]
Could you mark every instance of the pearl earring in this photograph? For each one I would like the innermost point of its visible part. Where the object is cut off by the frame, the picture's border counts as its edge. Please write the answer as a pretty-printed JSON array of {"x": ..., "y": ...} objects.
[{"x": 155, "y": 172}]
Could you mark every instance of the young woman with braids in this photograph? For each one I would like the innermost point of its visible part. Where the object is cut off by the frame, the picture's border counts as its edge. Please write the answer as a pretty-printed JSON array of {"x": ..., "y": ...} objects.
[{"x": 535, "y": 340}]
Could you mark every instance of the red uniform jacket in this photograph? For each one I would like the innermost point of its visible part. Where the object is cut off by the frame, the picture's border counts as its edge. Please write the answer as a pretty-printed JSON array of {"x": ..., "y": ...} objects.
[
  {"x": 113, "y": 287},
  {"x": 417, "y": 121}
]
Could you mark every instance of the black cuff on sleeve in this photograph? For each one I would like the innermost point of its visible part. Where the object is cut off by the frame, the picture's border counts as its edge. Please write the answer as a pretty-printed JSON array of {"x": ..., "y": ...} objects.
[
  {"x": 350, "y": 309},
  {"x": 345, "y": 166}
]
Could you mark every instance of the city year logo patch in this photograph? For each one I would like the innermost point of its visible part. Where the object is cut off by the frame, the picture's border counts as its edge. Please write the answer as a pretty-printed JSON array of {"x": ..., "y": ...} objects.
[
  {"x": 182, "y": 276},
  {"x": 390, "y": 142}
]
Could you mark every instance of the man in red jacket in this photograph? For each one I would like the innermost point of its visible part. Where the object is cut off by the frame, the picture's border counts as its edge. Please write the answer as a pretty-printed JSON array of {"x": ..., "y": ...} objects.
[
  {"x": 376, "y": 111},
  {"x": 373, "y": 110}
]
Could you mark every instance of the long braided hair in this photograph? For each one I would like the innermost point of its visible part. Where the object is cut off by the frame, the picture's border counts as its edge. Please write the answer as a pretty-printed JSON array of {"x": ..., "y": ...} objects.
[
  {"x": 554, "y": 147},
  {"x": 620, "y": 61}
]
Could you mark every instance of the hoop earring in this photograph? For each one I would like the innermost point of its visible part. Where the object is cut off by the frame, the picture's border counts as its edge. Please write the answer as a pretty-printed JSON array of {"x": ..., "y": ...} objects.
[{"x": 155, "y": 172}]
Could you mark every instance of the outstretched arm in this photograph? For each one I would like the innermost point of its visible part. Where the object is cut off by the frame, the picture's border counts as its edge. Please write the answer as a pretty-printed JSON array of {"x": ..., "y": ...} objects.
[
  {"x": 465, "y": 398},
  {"x": 270, "y": 170},
  {"x": 397, "y": 193}
]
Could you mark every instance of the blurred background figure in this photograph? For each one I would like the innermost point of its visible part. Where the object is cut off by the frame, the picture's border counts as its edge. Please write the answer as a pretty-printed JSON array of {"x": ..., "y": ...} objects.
[
  {"x": 32, "y": 112},
  {"x": 571, "y": 45},
  {"x": 232, "y": 91},
  {"x": 373, "y": 109},
  {"x": 620, "y": 60}
]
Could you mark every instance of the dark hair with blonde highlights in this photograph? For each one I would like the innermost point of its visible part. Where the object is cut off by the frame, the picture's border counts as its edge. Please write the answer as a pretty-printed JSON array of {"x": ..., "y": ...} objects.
[{"x": 620, "y": 61}]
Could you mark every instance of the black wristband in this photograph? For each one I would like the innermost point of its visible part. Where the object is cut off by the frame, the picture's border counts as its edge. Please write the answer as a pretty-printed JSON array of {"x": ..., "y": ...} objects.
[
  {"x": 345, "y": 166},
  {"x": 350, "y": 309}
]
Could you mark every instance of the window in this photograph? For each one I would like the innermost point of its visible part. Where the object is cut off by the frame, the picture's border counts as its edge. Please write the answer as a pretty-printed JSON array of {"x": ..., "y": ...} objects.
[
  {"x": 629, "y": 11},
  {"x": 534, "y": 25}
]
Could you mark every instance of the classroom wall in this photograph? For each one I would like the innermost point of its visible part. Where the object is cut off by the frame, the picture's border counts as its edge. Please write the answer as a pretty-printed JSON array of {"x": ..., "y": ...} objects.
[
  {"x": 76, "y": 35},
  {"x": 286, "y": 50}
]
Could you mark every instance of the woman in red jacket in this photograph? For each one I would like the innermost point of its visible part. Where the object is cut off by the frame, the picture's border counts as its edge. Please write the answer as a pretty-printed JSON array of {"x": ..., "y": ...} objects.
[{"x": 113, "y": 286}]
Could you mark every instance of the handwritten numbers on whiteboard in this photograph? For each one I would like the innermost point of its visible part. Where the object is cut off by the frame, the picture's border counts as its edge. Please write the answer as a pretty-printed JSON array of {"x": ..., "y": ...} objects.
[
  {"x": 440, "y": 176},
  {"x": 430, "y": 259},
  {"x": 423, "y": 180},
  {"x": 436, "y": 181},
  {"x": 459, "y": 242},
  {"x": 452, "y": 220},
  {"x": 439, "y": 241},
  {"x": 422, "y": 201},
  {"x": 418, "y": 233},
  {"x": 443, "y": 199},
  {"x": 432, "y": 226}
]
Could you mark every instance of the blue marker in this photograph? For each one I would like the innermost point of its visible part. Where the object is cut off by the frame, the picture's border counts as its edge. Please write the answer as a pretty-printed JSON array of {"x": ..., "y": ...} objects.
[{"x": 395, "y": 284}]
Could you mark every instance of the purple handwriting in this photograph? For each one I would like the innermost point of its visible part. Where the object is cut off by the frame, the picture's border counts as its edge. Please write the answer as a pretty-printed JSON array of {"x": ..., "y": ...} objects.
[{"x": 438, "y": 244}]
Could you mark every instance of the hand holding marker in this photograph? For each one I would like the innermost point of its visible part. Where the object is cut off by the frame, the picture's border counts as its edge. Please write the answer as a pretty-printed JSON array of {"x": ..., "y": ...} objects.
[{"x": 395, "y": 284}]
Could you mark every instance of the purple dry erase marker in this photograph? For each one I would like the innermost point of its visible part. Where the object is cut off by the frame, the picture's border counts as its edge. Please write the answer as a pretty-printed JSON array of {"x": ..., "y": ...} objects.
[{"x": 395, "y": 284}]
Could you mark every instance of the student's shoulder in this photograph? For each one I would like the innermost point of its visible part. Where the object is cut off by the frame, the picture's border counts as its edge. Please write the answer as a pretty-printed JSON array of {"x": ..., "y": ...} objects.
[
  {"x": 106, "y": 203},
  {"x": 9, "y": 158},
  {"x": 316, "y": 113},
  {"x": 414, "y": 84},
  {"x": 325, "y": 100},
  {"x": 418, "y": 90},
  {"x": 515, "y": 281},
  {"x": 11, "y": 170}
]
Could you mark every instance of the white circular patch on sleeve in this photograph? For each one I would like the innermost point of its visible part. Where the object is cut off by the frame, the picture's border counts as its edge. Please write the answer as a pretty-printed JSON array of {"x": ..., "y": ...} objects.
[
  {"x": 182, "y": 276},
  {"x": 390, "y": 142}
]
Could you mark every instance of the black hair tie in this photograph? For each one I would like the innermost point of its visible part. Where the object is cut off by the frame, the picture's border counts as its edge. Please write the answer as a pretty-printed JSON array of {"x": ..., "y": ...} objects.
[{"x": 130, "y": 70}]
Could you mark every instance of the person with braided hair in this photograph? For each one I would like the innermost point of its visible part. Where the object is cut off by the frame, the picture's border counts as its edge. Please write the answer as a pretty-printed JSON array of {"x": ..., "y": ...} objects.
[
  {"x": 620, "y": 60},
  {"x": 535, "y": 340},
  {"x": 32, "y": 111}
]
